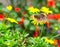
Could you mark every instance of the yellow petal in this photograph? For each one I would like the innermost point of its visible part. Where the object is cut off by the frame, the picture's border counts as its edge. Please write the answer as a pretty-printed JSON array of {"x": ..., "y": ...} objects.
[
  {"x": 11, "y": 20},
  {"x": 9, "y": 7},
  {"x": 45, "y": 10},
  {"x": 33, "y": 10},
  {"x": 51, "y": 41}
]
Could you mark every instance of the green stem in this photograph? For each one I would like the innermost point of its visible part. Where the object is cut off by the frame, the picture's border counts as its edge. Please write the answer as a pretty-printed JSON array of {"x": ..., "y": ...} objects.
[
  {"x": 56, "y": 35},
  {"x": 42, "y": 26}
]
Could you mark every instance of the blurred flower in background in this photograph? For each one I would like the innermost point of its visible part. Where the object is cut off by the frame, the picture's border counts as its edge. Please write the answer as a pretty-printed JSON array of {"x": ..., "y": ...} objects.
[
  {"x": 1, "y": 17},
  {"x": 23, "y": 13},
  {"x": 47, "y": 24},
  {"x": 49, "y": 41},
  {"x": 36, "y": 33},
  {"x": 55, "y": 41},
  {"x": 12, "y": 20},
  {"x": 45, "y": 10},
  {"x": 51, "y": 3},
  {"x": 17, "y": 9},
  {"x": 9, "y": 7},
  {"x": 21, "y": 21},
  {"x": 33, "y": 10},
  {"x": 51, "y": 16}
]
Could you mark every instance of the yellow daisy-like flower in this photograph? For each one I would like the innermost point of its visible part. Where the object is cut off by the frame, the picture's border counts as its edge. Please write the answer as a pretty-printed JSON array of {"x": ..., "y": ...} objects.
[
  {"x": 45, "y": 10},
  {"x": 35, "y": 22},
  {"x": 38, "y": 19},
  {"x": 11, "y": 20},
  {"x": 33, "y": 10},
  {"x": 46, "y": 39},
  {"x": 9, "y": 7},
  {"x": 49, "y": 41}
]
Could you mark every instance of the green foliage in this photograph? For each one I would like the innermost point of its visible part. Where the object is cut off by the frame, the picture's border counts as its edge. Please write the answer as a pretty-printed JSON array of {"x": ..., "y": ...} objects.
[{"x": 17, "y": 35}]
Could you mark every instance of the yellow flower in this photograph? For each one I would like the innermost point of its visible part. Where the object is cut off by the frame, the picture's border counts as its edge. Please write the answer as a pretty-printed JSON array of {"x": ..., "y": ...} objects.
[
  {"x": 8, "y": 44},
  {"x": 9, "y": 7},
  {"x": 33, "y": 10},
  {"x": 56, "y": 28},
  {"x": 45, "y": 10},
  {"x": 49, "y": 41},
  {"x": 35, "y": 22},
  {"x": 36, "y": 19},
  {"x": 37, "y": 10},
  {"x": 11, "y": 20},
  {"x": 46, "y": 39},
  {"x": 42, "y": 22}
]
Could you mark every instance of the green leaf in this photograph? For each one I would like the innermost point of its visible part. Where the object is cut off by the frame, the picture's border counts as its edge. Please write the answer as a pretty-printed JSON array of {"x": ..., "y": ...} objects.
[
  {"x": 57, "y": 4},
  {"x": 26, "y": 22},
  {"x": 2, "y": 26},
  {"x": 13, "y": 14},
  {"x": 32, "y": 28},
  {"x": 55, "y": 10},
  {"x": 16, "y": 35},
  {"x": 5, "y": 10}
]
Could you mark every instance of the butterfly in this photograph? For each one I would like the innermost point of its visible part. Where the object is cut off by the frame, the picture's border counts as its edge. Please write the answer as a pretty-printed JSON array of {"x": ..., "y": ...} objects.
[{"x": 40, "y": 16}]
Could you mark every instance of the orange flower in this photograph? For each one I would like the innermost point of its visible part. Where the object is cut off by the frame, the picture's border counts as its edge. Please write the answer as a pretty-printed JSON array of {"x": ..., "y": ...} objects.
[
  {"x": 50, "y": 3},
  {"x": 36, "y": 33},
  {"x": 55, "y": 42},
  {"x": 50, "y": 16},
  {"x": 37, "y": 28},
  {"x": 48, "y": 24},
  {"x": 21, "y": 21},
  {"x": 17, "y": 9},
  {"x": 59, "y": 20},
  {"x": 23, "y": 13},
  {"x": 1, "y": 17},
  {"x": 59, "y": 45},
  {"x": 57, "y": 16}
]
